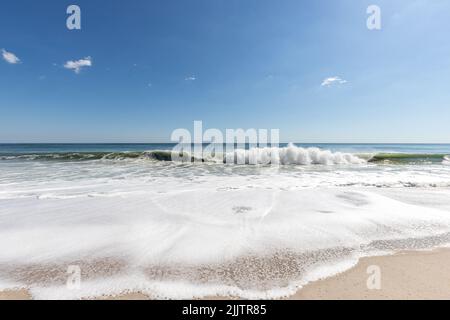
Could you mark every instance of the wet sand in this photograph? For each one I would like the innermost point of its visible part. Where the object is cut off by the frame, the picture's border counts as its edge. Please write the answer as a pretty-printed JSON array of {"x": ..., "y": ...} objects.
[{"x": 404, "y": 276}]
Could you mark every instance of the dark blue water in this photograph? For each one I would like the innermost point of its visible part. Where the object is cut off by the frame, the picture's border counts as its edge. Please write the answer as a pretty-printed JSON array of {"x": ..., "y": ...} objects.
[{"x": 14, "y": 149}]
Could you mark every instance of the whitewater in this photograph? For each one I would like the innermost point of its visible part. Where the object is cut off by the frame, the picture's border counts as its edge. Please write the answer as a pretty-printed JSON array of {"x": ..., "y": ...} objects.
[{"x": 132, "y": 220}]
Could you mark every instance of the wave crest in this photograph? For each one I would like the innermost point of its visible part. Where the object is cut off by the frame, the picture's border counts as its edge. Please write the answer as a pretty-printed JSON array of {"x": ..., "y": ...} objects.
[
  {"x": 446, "y": 161},
  {"x": 290, "y": 155}
]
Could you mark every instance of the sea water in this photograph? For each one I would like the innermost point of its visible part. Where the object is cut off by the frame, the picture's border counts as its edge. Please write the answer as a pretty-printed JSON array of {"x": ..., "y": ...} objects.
[{"x": 133, "y": 222}]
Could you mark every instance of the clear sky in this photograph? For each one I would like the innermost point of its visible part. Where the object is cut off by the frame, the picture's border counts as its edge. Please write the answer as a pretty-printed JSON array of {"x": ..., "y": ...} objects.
[{"x": 147, "y": 67}]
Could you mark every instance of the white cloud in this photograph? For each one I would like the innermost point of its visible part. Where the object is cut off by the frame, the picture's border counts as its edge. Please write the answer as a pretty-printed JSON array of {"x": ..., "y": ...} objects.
[
  {"x": 333, "y": 80},
  {"x": 77, "y": 65},
  {"x": 10, "y": 57},
  {"x": 190, "y": 78}
]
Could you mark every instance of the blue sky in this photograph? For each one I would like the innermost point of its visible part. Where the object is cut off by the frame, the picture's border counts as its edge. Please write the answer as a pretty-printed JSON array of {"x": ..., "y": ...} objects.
[{"x": 160, "y": 65}]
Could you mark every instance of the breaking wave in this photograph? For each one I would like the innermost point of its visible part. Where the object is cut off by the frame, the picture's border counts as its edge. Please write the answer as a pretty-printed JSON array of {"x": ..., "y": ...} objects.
[
  {"x": 446, "y": 161},
  {"x": 290, "y": 155},
  {"x": 255, "y": 156}
]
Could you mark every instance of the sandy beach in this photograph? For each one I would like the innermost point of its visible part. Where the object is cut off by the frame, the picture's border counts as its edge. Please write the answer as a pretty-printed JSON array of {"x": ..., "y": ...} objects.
[{"x": 404, "y": 276}]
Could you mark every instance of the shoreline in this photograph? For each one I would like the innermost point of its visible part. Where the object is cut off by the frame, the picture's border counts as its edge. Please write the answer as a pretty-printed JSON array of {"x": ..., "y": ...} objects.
[{"x": 411, "y": 275}]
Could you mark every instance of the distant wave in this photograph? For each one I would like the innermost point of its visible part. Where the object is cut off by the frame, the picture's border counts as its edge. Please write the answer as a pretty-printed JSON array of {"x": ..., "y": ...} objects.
[
  {"x": 408, "y": 158},
  {"x": 290, "y": 155},
  {"x": 74, "y": 156}
]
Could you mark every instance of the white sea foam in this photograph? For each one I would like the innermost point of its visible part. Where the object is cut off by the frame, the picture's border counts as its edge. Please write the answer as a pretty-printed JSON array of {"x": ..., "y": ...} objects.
[
  {"x": 446, "y": 161},
  {"x": 291, "y": 155}
]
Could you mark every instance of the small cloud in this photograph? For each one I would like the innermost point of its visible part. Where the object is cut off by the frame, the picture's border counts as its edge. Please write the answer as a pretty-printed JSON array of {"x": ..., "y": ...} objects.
[
  {"x": 42, "y": 77},
  {"x": 190, "y": 78},
  {"x": 77, "y": 65},
  {"x": 10, "y": 57},
  {"x": 149, "y": 85},
  {"x": 333, "y": 80}
]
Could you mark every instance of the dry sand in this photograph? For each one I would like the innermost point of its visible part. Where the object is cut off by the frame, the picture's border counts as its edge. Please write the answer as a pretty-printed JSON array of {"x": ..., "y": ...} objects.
[
  {"x": 404, "y": 276},
  {"x": 408, "y": 275}
]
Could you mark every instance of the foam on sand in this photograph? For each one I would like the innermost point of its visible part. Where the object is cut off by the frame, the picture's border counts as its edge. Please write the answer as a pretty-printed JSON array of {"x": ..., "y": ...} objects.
[{"x": 244, "y": 242}]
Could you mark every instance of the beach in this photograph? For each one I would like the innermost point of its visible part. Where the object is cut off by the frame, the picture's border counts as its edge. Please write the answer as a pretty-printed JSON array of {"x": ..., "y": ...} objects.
[
  {"x": 405, "y": 276},
  {"x": 82, "y": 222},
  {"x": 237, "y": 150}
]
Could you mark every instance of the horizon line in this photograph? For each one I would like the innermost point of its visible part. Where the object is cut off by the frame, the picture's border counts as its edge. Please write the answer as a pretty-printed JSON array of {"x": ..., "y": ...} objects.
[{"x": 11, "y": 143}]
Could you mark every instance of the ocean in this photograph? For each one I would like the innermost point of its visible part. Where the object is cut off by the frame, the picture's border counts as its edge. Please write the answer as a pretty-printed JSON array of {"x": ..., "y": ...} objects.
[{"x": 133, "y": 221}]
